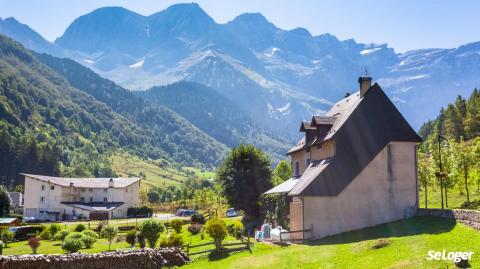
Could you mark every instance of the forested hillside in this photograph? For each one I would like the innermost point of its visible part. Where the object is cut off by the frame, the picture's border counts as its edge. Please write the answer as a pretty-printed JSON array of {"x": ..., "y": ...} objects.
[
  {"x": 50, "y": 127},
  {"x": 216, "y": 115},
  {"x": 459, "y": 119},
  {"x": 452, "y": 146},
  {"x": 181, "y": 140}
]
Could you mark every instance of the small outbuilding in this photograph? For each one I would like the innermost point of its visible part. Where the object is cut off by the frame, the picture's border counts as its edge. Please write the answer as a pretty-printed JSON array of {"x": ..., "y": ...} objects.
[{"x": 10, "y": 222}]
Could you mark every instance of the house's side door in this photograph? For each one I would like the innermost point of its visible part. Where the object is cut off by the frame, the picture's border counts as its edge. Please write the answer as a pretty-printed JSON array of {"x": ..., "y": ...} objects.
[{"x": 296, "y": 217}]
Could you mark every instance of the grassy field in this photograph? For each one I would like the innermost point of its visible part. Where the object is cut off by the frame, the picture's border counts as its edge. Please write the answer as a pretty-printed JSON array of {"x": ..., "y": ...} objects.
[
  {"x": 130, "y": 166},
  {"x": 408, "y": 242},
  {"x": 156, "y": 175},
  {"x": 54, "y": 247},
  {"x": 455, "y": 199}
]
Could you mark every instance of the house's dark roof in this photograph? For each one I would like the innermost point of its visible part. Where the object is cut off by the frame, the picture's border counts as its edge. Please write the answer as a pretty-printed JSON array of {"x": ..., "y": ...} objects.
[
  {"x": 362, "y": 128},
  {"x": 327, "y": 120},
  {"x": 95, "y": 206},
  {"x": 306, "y": 126},
  {"x": 86, "y": 182},
  {"x": 299, "y": 146}
]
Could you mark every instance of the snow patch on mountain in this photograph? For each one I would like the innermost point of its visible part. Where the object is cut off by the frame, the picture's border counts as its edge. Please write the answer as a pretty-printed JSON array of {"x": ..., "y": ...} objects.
[
  {"x": 137, "y": 65},
  {"x": 88, "y": 61},
  {"x": 369, "y": 51},
  {"x": 272, "y": 52}
]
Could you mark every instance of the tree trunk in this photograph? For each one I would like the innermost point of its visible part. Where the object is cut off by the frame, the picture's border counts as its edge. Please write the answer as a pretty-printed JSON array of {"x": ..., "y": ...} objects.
[
  {"x": 426, "y": 205},
  {"x": 446, "y": 197},
  {"x": 466, "y": 184}
]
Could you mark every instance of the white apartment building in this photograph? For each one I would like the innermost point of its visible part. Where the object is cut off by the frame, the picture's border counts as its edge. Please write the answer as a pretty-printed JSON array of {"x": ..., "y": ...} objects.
[{"x": 58, "y": 198}]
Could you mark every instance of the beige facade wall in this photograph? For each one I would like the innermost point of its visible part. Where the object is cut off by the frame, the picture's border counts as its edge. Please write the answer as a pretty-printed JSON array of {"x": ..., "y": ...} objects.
[
  {"x": 300, "y": 157},
  {"x": 326, "y": 150},
  {"x": 385, "y": 191},
  {"x": 41, "y": 197}
]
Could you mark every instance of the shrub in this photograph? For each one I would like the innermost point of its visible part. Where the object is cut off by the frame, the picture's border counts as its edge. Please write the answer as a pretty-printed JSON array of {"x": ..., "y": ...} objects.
[
  {"x": 143, "y": 211},
  {"x": 61, "y": 235},
  {"x": 88, "y": 240},
  {"x": 46, "y": 235},
  {"x": 176, "y": 225},
  {"x": 131, "y": 237},
  {"x": 73, "y": 243},
  {"x": 151, "y": 230},
  {"x": 7, "y": 237},
  {"x": 172, "y": 240},
  {"x": 195, "y": 228},
  {"x": 53, "y": 229},
  {"x": 109, "y": 232},
  {"x": 236, "y": 229},
  {"x": 198, "y": 218},
  {"x": 37, "y": 229},
  {"x": 216, "y": 229},
  {"x": 140, "y": 240},
  {"x": 34, "y": 243},
  {"x": 91, "y": 233},
  {"x": 80, "y": 227}
]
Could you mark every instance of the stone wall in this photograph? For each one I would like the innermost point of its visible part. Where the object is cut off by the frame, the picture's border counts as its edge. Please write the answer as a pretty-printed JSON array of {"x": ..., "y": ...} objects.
[
  {"x": 469, "y": 217},
  {"x": 145, "y": 258}
]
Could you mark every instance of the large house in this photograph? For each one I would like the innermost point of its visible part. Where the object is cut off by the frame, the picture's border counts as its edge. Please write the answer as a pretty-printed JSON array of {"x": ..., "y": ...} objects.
[
  {"x": 355, "y": 167},
  {"x": 58, "y": 198}
]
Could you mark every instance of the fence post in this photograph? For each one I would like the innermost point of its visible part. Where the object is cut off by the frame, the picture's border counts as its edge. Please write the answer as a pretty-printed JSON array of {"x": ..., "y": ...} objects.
[
  {"x": 280, "y": 237},
  {"x": 248, "y": 244}
]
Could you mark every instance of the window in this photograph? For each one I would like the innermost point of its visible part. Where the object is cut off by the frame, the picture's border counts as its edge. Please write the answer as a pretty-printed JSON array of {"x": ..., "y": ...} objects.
[
  {"x": 105, "y": 199},
  {"x": 82, "y": 190},
  {"x": 42, "y": 211},
  {"x": 90, "y": 190},
  {"x": 91, "y": 199},
  {"x": 297, "y": 168},
  {"x": 105, "y": 190},
  {"x": 82, "y": 200},
  {"x": 307, "y": 162},
  {"x": 52, "y": 188},
  {"x": 43, "y": 187},
  {"x": 42, "y": 198},
  {"x": 126, "y": 189},
  {"x": 319, "y": 146}
]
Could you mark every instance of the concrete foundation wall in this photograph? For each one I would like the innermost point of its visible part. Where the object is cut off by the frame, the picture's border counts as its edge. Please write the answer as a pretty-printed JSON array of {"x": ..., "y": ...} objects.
[{"x": 385, "y": 191}]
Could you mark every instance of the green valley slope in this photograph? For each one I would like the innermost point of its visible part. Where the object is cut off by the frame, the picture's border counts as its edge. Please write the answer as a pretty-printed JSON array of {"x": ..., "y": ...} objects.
[{"x": 49, "y": 126}]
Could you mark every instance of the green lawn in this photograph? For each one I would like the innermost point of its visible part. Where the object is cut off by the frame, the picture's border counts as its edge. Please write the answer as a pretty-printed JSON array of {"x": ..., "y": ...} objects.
[
  {"x": 54, "y": 247},
  {"x": 409, "y": 241},
  {"x": 455, "y": 199}
]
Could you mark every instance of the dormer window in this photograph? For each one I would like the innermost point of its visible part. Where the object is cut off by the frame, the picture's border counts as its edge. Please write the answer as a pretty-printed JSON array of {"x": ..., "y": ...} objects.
[{"x": 297, "y": 168}]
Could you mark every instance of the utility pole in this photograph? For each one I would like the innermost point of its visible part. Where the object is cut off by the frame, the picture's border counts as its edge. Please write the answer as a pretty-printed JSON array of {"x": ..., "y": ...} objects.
[{"x": 440, "y": 173}]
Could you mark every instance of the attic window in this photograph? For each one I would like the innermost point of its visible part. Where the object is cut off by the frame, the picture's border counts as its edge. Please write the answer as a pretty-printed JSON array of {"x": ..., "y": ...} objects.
[{"x": 319, "y": 145}]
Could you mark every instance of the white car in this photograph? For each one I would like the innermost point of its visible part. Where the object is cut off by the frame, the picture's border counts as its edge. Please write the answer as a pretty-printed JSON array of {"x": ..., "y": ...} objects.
[{"x": 231, "y": 213}]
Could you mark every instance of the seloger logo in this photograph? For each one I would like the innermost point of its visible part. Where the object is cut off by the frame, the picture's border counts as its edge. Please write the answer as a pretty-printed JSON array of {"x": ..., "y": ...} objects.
[{"x": 454, "y": 256}]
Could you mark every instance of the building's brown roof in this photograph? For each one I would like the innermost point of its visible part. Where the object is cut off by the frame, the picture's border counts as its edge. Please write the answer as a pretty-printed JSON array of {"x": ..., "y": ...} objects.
[
  {"x": 306, "y": 125},
  {"x": 327, "y": 120},
  {"x": 299, "y": 146},
  {"x": 362, "y": 128},
  {"x": 86, "y": 182}
]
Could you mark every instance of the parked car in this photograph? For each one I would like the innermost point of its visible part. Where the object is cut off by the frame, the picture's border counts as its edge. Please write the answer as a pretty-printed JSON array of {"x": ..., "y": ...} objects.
[
  {"x": 31, "y": 220},
  {"x": 22, "y": 232},
  {"x": 185, "y": 213},
  {"x": 231, "y": 213}
]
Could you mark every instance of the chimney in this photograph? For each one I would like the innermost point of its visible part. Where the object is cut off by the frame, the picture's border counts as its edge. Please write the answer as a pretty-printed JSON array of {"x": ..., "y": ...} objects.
[
  {"x": 110, "y": 183},
  {"x": 365, "y": 83}
]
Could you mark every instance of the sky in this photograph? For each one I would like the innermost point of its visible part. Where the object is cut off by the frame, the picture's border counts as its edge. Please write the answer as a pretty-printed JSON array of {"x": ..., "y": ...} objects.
[{"x": 403, "y": 24}]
